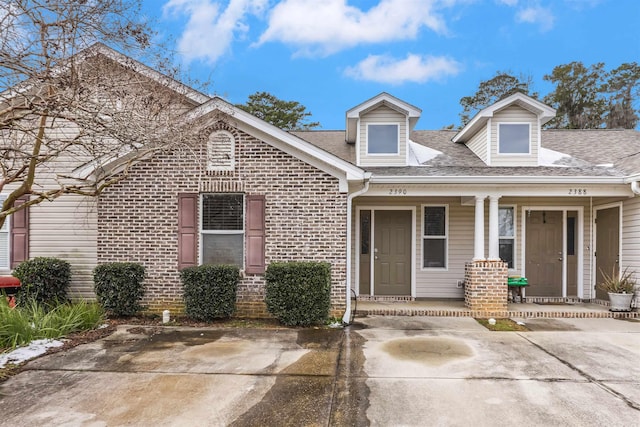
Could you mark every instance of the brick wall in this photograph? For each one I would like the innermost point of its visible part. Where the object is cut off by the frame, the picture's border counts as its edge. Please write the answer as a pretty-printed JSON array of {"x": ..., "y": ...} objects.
[
  {"x": 485, "y": 286},
  {"x": 305, "y": 217}
]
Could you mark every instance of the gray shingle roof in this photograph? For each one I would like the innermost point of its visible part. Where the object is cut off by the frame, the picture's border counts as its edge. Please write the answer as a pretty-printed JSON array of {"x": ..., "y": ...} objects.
[{"x": 591, "y": 154}]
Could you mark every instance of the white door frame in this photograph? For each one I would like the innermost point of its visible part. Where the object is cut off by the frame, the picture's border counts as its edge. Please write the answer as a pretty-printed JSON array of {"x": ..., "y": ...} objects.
[
  {"x": 579, "y": 243},
  {"x": 373, "y": 209},
  {"x": 594, "y": 227}
]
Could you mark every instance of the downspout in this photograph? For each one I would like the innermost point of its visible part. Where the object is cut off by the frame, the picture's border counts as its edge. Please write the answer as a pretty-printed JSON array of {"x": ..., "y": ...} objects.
[
  {"x": 346, "y": 318},
  {"x": 635, "y": 187}
]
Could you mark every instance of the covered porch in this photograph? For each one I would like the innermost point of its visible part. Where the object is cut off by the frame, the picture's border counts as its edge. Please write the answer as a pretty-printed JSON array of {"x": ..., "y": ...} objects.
[{"x": 461, "y": 242}]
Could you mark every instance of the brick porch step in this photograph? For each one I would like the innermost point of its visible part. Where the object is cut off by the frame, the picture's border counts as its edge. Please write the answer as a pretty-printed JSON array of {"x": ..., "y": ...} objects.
[{"x": 455, "y": 308}]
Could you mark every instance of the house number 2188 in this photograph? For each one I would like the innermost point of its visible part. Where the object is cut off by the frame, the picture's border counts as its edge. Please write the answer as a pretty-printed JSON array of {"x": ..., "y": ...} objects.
[
  {"x": 578, "y": 191},
  {"x": 397, "y": 191}
]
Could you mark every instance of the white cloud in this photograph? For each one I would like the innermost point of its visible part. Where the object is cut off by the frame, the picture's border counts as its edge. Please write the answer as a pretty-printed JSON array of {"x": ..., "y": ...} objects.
[
  {"x": 508, "y": 2},
  {"x": 414, "y": 68},
  {"x": 536, "y": 15},
  {"x": 210, "y": 30},
  {"x": 327, "y": 26}
]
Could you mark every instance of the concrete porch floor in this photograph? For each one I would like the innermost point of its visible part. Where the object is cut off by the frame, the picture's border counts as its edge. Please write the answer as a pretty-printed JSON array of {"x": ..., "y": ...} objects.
[{"x": 456, "y": 308}]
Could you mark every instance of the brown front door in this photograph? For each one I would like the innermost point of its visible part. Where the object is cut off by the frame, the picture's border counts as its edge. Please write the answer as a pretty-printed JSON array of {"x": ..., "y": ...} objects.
[
  {"x": 607, "y": 244},
  {"x": 392, "y": 252},
  {"x": 544, "y": 253}
]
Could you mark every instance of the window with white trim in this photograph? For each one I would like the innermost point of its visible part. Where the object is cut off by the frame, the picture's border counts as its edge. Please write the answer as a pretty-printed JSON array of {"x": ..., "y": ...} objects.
[
  {"x": 4, "y": 241},
  {"x": 514, "y": 138},
  {"x": 222, "y": 229},
  {"x": 506, "y": 220},
  {"x": 434, "y": 237},
  {"x": 383, "y": 139}
]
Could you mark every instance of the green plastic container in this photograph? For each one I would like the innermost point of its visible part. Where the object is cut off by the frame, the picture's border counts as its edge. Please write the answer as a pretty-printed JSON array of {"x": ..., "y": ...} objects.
[{"x": 517, "y": 281}]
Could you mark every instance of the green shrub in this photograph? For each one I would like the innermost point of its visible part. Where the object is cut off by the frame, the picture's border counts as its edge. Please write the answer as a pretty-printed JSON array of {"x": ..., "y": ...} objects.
[
  {"x": 299, "y": 293},
  {"x": 119, "y": 287},
  {"x": 32, "y": 321},
  {"x": 44, "y": 280},
  {"x": 210, "y": 291}
]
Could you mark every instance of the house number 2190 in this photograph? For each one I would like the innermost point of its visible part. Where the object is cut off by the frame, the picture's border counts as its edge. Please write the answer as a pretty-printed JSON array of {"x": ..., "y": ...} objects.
[{"x": 397, "y": 191}]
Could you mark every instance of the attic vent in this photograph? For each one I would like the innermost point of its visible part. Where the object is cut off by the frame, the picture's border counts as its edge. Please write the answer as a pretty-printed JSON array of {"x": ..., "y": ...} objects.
[{"x": 220, "y": 151}]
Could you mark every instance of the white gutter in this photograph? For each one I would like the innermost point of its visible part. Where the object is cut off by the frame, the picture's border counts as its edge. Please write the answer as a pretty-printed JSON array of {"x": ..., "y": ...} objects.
[
  {"x": 347, "y": 314},
  {"x": 497, "y": 180},
  {"x": 635, "y": 187}
]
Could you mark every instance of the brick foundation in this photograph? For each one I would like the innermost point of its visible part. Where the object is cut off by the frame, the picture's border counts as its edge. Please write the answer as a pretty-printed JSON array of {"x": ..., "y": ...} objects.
[{"x": 485, "y": 286}]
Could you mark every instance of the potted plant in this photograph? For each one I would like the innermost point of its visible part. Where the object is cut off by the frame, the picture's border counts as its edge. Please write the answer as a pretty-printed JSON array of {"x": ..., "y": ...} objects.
[{"x": 620, "y": 288}]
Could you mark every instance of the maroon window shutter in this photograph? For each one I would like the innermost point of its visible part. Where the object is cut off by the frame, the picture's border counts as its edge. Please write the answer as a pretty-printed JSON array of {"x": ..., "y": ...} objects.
[
  {"x": 19, "y": 233},
  {"x": 187, "y": 230},
  {"x": 255, "y": 234}
]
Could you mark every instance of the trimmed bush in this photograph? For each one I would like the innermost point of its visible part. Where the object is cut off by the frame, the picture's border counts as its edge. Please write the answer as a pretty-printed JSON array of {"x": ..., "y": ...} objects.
[
  {"x": 299, "y": 293},
  {"x": 44, "y": 280},
  {"x": 119, "y": 287},
  {"x": 210, "y": 291}
]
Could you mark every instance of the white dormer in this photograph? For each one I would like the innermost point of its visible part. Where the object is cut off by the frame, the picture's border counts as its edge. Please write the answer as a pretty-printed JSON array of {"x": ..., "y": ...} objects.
[
  {"x": 380, "y": 129},
  {"x": 507, "y": 133}
]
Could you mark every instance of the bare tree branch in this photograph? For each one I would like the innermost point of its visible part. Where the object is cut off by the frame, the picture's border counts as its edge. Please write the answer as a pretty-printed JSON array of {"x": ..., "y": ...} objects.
[{"x": 70, "y": 105}]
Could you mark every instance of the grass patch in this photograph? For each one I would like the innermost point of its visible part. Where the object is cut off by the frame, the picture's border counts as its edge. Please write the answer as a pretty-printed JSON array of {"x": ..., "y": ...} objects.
[
  {"x": 507, "y": 325},
  {"x": 23, "y": 324}
]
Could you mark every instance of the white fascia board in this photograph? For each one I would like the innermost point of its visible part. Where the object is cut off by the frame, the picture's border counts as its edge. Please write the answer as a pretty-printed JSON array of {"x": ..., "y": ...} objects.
[
  {"x": 631, "y": 178},
  {"x": 569, "y": 191},
  {"x": 353, "y": 115},
  {"x": 410, "y": 110},
  {"x": 496, "y": 180},
  {"x": 472, "y": 127}
]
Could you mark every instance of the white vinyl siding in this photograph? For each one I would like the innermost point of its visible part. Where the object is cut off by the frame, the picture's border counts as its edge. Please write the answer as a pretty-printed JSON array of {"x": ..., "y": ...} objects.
[
  {"x": 67, "y": 229},
  {"x": 443, "y": 283},
  {"x": 478, "y": 144},
  {"x": 631, "y": 239},
  {"x": 383, "y": 115},
  {"x": 515, "y": 114}
]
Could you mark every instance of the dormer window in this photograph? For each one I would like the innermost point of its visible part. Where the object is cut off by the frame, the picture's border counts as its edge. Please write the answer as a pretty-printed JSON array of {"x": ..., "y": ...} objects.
[
  {"x": 383, "y": 139},
  {"x": 514, "y": 138}
]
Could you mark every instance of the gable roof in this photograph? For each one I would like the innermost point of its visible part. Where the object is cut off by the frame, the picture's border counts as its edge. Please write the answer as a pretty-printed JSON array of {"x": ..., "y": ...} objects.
[
  {"x": 543, "y": 111},
  {"x": 285, "y": 141},
  {"x": 125, "y": 61},
  {"x": 139, "y": 67},
  {"x": 411, "y": 111}
]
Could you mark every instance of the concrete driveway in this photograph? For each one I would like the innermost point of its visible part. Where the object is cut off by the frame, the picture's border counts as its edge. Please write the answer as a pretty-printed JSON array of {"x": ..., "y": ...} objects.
[{"x": 387, "y": 371}]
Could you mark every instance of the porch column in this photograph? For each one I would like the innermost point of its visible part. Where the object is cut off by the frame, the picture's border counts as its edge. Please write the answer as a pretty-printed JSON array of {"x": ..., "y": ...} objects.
[
  {"x": 494, "y": 229},
  {"x": 478, "y": 248}
]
